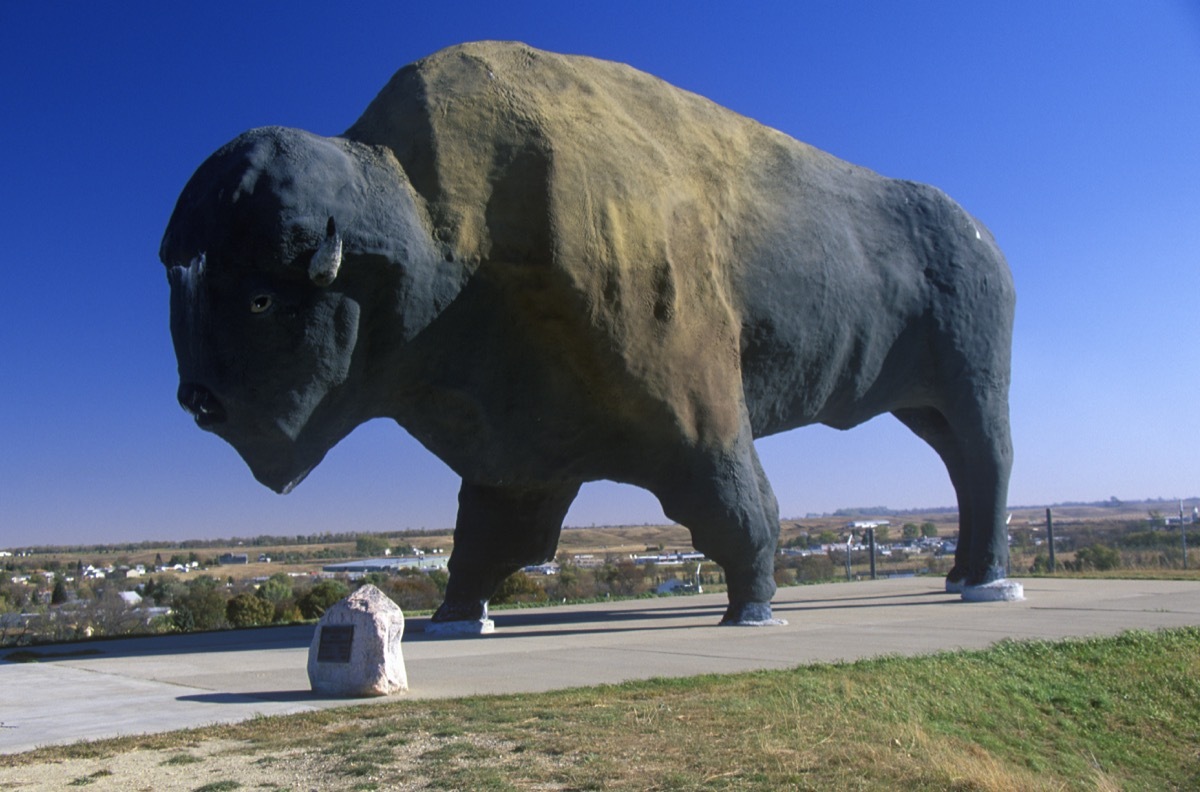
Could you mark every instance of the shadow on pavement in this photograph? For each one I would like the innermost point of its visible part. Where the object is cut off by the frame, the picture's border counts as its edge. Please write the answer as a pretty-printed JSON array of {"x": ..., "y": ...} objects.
[
  {"x": 511, "y": 624},
  {"x": 519, "y": 624},
  {"x": 255, "y": 639},
  {"x": 273, "y": 696}
]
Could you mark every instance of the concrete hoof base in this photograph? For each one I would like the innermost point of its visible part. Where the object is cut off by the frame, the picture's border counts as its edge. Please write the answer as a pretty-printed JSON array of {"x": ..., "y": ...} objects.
[
  {"x": 474, "y": 627},
  {"x": 753, "y": 623},
  {"x": 750, "y": 614},
  {"x": 1003, "y": 590}
]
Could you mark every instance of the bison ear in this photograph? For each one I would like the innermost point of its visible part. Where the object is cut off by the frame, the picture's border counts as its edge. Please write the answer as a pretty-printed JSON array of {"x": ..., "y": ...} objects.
[{"x": 328, "y": 258}]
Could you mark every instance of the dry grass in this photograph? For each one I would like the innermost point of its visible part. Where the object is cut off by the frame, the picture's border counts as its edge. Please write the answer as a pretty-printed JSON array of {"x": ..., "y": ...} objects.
[{"x": 1110, "y": 713}]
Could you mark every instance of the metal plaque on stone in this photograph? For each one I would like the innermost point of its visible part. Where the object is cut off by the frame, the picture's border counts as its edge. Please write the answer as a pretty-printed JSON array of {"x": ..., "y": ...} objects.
[{"x": 335, "y": 643}]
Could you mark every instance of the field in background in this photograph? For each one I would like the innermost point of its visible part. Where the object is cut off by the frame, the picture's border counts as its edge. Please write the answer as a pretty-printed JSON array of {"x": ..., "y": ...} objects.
[{"x": 308, "y": 557}]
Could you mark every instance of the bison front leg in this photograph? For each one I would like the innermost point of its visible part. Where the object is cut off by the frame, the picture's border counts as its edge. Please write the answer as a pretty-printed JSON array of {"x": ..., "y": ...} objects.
[
  {"x": 498, "y": 531},
  {"x": 724, "y": 499}
]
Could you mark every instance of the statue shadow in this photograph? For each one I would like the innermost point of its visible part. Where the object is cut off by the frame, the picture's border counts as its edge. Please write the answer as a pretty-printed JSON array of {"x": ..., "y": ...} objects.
[
  {"x": 510, "y": 624},
  {"x": 271, "y": 696},
  {"x": 565, "y": 622},
  {"x": 296, "y": 636},
  {"x": 873, "y": 600}
]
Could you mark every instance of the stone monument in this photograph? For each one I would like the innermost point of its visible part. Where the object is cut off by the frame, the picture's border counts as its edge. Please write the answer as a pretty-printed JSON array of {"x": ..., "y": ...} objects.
[
  {"x": 552, "y": 270},
  {"x": 356, "y": 648}
]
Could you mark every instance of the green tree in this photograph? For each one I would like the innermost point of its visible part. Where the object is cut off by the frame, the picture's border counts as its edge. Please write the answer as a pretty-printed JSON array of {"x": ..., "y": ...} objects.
[
  {"x": 200, "y": 607},
  {"x": 519, "y": 587},
  {"x": 108, "y": 614},
  {"x": 572, "y": 583},
  {"x": 929, "y": 529},
  {"x": 1098, "y": 557},
  {"x": 412, "y": 589},
  {"x": 630, "y": 579},
  {"x": 910, "y": 531},
  {"x": 380, "y": 580},
  {"x": 317, "y": 600},
  {"x": 248, "y": 610},
  {"x": 813, "y": 568},
  {"x": 370, "y": 545},
  {"x": 164, "y": 590},
  {"x": 288, "y": 612},
  {"x": 276, "y": 589},
  {"x": 440, "y": 578},
  {"x": 59, "y": 595}
]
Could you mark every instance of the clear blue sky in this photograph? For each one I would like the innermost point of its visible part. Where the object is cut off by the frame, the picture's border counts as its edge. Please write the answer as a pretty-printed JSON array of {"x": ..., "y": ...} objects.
[{"x": 1072, "y": 129}]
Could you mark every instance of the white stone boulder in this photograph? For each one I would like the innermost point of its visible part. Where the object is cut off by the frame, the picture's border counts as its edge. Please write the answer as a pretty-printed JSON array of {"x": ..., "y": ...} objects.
[{"x": 356, "y": 649}]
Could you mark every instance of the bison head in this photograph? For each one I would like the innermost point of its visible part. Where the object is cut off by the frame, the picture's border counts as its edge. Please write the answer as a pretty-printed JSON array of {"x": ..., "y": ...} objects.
[{"x": 281, "y": 249}]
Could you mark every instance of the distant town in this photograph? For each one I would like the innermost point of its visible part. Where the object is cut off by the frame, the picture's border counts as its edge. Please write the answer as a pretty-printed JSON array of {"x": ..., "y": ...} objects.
[{"x": 50, "y": 594}]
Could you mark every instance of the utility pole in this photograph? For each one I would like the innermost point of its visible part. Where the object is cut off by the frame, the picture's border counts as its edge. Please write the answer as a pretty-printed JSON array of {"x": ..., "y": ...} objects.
[
  {"x": 1183, "y": 534},
  {"x": 1050, "y": 538},
  {"x": 871, "y": 544}
]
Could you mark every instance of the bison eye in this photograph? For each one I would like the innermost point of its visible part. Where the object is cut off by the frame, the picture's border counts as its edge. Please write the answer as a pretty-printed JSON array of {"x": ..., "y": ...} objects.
[{"x": 260, "y": 303}]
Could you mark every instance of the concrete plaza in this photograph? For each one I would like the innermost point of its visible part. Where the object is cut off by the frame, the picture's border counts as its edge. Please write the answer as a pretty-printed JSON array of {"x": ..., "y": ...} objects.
[{"x": 145, "y": 685}]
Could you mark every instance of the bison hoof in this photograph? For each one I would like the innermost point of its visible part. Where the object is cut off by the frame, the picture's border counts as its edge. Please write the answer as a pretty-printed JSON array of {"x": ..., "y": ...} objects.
[
  {"x": 475, "y": 627},
  {"x": 956, "y": 580},
  {"x": 750, "y": 614},
  {"x": 461, "y": 618},
  {"x": 1003, "y": 590}
]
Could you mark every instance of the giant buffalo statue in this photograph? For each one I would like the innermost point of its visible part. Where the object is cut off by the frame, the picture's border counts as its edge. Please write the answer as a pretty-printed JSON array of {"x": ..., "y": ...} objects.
[{"x": 553, "y": 270}]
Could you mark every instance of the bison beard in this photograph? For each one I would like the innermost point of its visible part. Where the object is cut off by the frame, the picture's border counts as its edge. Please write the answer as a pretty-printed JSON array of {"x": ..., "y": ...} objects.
[{"x": 554, "y": 270}]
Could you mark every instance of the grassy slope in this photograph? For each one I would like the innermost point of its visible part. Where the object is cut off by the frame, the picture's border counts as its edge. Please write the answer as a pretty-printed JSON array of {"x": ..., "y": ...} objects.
[{"x": 1103, "y": 713}]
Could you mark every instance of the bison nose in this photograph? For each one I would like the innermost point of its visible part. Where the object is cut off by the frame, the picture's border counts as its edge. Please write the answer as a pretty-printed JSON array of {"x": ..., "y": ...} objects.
[{"x": 201, "y": 404}]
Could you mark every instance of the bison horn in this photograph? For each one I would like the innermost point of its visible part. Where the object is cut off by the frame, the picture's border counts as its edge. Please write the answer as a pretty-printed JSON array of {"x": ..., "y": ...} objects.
[{"x": 328, "y": 258}]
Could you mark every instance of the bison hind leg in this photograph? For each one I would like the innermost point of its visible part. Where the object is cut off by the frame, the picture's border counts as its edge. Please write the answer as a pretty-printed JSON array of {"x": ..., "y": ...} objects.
[
  {"x": 932, "y": 427},
  {"x": 976, "y": 448}
]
